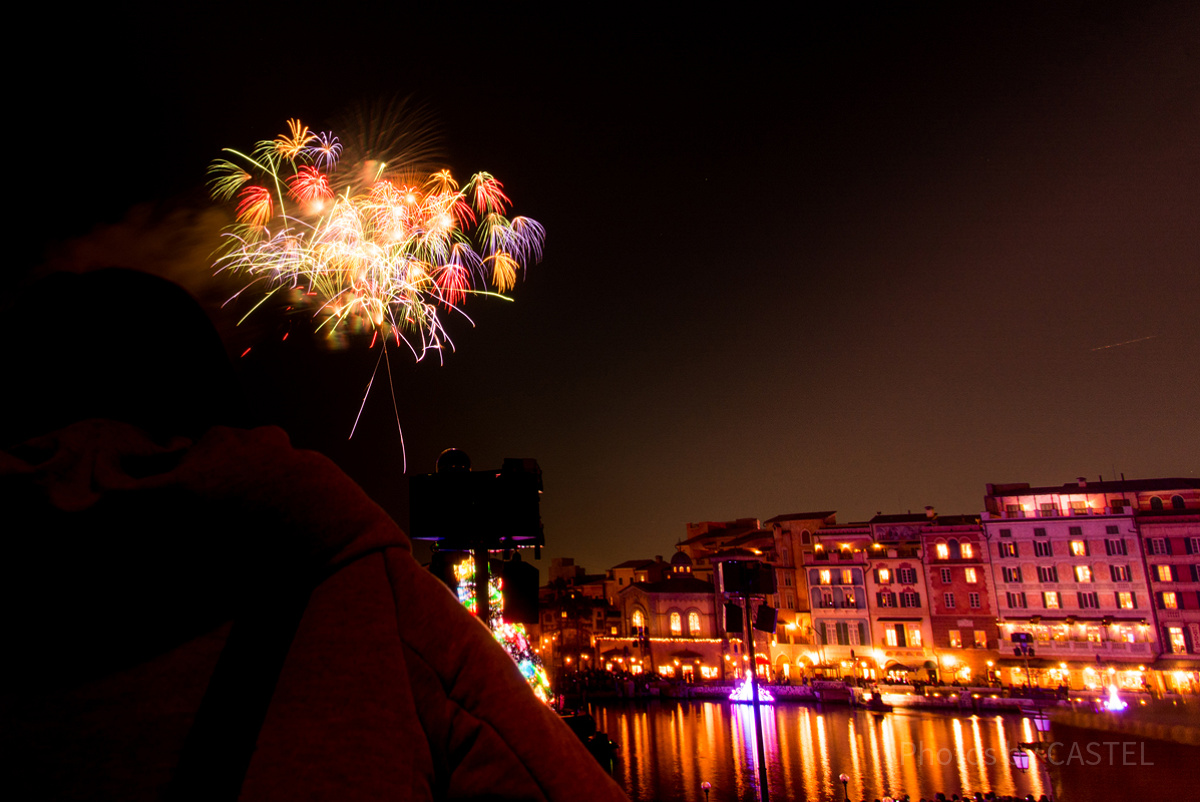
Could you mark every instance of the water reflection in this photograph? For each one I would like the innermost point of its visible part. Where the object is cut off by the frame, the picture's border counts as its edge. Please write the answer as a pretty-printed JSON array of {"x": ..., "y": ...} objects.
[{"x": 668, "y": 749}]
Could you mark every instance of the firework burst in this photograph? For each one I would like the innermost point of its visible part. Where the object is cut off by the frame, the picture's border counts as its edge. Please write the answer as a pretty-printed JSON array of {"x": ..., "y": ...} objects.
[{"x": 370, "y": 246}]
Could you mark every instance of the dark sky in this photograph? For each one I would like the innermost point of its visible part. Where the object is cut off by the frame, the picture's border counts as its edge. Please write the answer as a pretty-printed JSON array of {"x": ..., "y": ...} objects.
[{"x": 866, "y": 261}]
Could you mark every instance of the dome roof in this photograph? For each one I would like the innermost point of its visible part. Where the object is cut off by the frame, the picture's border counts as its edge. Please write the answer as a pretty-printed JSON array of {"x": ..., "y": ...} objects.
[{"x": 681, "y": 558}]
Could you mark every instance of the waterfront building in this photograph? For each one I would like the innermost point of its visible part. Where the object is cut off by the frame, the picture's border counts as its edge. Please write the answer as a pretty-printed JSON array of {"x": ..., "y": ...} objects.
[
  {"x": 793, "y": 645},
  {"x": 1168, "y": 520},
  {"x": 630, "y": 571},
  {"x": 835, "y": 566},
  {"x": 668, "y": 627},
  {"x": 1072, "y": 570},
  {"x": 708, "y": 538},
  {"x": 898, "y": 599},
  {"x": 572, "y": 612},
  {"x": 962, "y": 611}
]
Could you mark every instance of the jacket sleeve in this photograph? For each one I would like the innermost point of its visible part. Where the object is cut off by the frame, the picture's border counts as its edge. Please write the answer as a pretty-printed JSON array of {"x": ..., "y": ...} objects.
[{"x": 490, "y": 736}]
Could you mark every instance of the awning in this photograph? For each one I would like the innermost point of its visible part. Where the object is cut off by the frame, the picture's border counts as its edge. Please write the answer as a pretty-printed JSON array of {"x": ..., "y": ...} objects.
[
  {"x": 1033, "y": 662},
  {"x": 894, "y": 666},
  {"x": 687, "y": 654},
  {"x": 762, "y": 661},
  {"x": 1174, "y": 665},
  {"x": 930, "y": 665}
]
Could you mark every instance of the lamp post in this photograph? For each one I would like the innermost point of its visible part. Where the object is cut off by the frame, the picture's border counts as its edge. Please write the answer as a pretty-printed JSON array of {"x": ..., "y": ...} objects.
[
  {"x": 845, "y": 778},
  {"x": 1020, "y": 756},
  {"x": 705, "y": 787}
]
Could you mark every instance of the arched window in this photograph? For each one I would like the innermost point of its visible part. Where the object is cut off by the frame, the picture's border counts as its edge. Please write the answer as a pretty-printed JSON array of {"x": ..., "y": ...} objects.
[
  {"x": 968, "y": 552},
  {"x": 676, "y": 623},
  {"x": 1177, "y": 502},
  {"x": 805, "y": 537},
  {"x": 955, "y": 550},
  {"x": 943, "y": 551},
  {"x": 694, "y": 623},
  {"x": 1156, "y": 504},
  {"x": 638, "y": 619}
]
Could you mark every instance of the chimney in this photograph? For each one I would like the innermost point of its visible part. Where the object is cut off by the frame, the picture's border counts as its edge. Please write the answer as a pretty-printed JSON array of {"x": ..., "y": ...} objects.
[
  {"x": 1082, "y": 481},
  {"x": 931, "y": 513}
]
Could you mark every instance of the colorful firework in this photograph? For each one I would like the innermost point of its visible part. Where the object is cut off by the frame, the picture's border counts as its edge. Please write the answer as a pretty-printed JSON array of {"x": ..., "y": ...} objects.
[
  {"x": 512, "y": 637},
  {"x": 372, "y": 247}
]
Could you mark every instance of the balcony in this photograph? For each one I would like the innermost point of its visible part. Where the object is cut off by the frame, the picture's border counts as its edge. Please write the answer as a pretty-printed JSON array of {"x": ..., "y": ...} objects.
[{"x": 1084, "y": 648}]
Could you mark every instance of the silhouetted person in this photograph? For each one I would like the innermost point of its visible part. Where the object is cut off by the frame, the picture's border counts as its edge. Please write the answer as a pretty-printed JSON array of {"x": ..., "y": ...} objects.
[{"x": 194, "y": 611}]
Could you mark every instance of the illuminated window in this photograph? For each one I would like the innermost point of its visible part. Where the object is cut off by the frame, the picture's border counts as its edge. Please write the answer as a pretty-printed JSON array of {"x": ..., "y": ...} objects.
[
  {"x": 1126, "y": 600},
  {"x": 1011, "y": 574},
  {"x": 639, "y": 620},
  {"x": 847, "y": 576},
  {"x": 885, "y": 575},
  {"x": 1083, "y": 573},
  {"x": 968, "y": 551},
  {"x": 848, "y": 599},
  {"x": 943, "y": 551},
  {"x": 887, "y": 599},
  {"x": 1120, "y": 573},
  {"x": 980, "y": 639},
  {"x": 971, "y": 576},
  {"x": 955, "y": 639},
  {"x": 1178, "y": 641},
  {"x": 676, "y": 624},
  {"x": 1008, "y": 549},
  {"x": 889, "y": 637},
  {"x": 1164, "y": 573},
  {"x": 826, "y": 576},
  {"x": 1050, "y": 600},
  {"x": 694, "y": 622},
  {"x": 1169, "y": 601},
  {"x": 1079, "y": 548},
  {"x": 914, "y": 635}
]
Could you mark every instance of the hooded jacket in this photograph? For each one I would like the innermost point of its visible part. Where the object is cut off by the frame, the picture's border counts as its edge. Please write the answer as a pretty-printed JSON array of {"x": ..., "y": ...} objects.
[{"x": 130, "y": 558}]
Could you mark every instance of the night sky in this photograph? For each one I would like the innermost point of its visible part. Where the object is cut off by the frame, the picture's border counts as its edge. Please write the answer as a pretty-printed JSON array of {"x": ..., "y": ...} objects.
[{"x": 863, "y": 261}]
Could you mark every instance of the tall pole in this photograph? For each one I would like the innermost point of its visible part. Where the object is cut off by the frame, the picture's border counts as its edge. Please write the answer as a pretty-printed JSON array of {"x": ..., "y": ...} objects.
[
  {"x": 758, "y": 730},
  {"x": 482, "y": 608}
]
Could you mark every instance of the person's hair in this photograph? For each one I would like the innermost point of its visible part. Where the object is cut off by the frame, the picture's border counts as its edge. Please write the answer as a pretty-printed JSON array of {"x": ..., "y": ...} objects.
[{"x": 115, "y": 344}]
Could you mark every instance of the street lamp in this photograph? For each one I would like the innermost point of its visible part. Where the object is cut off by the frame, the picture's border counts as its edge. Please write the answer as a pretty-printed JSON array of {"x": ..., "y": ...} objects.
[
  {"x": 705, "y": 787},
  {"x": 845, "y": 778},
  {"x": 1020, "y": 755}
]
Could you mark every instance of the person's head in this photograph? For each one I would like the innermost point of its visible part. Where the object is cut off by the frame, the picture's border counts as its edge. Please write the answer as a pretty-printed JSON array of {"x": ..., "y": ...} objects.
[{"x": 116, "y": 344}]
